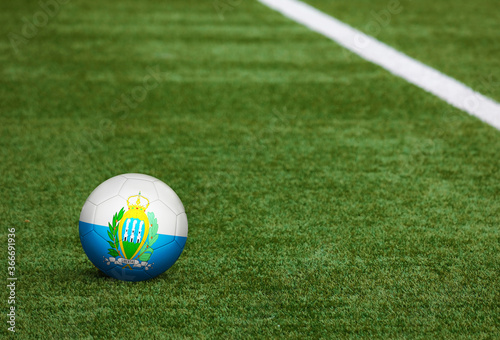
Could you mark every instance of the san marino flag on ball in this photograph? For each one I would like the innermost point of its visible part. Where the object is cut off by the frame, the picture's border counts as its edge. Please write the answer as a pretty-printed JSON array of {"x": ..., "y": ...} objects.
[{"x": 133, "y": 227}]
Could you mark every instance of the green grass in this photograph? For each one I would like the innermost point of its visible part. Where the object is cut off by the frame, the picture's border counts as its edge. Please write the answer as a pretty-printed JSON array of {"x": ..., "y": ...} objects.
[
  {"x": 459, "y": 38},
  {"x": 325, "y": 197}
]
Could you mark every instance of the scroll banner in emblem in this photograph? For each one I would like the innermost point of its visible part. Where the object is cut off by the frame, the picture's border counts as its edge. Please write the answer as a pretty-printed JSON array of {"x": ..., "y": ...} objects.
[{"x": 123, "y": 262}]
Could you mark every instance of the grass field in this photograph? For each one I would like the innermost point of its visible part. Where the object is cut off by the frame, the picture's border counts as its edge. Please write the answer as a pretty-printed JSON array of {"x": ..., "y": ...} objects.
[{"x": 326, "y": 198}]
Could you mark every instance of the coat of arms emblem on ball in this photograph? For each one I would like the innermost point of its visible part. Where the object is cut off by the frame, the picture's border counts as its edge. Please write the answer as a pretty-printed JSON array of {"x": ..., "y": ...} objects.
[{"x": 131, "y": 236}]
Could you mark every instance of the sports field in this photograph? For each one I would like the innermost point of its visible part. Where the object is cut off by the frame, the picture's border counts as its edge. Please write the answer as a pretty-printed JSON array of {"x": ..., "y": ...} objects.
[{"x": 326, "y": 197}]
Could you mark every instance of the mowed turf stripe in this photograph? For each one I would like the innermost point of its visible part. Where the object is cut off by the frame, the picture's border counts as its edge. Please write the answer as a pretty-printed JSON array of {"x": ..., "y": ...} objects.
[{"x": 369, "y": 48}]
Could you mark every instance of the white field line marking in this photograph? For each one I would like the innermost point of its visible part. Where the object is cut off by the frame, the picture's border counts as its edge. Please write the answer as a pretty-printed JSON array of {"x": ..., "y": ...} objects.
[{"x": 369, "y": 48}]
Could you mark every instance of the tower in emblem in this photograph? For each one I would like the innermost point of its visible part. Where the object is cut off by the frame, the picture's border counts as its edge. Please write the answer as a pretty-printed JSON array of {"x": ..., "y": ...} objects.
[
  {"x": 139, "y": 235},
  {"x": 125, "y": 236}
]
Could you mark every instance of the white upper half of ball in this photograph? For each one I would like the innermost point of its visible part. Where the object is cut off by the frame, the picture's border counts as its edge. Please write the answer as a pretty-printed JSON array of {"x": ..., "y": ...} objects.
[{"x": 111, "y": 196}]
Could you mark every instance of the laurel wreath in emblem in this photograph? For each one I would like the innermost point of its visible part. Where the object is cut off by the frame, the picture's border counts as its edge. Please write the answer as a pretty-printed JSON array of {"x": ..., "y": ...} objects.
[{"x": 113, "y": 234}]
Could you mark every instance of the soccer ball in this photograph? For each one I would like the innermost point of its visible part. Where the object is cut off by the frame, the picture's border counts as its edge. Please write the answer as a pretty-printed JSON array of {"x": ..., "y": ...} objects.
[{"x": 133, "y": 227}]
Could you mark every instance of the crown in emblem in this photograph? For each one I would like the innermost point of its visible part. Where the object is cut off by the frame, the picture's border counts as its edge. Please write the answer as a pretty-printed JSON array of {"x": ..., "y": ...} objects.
[{"x": 139, "y": 203}]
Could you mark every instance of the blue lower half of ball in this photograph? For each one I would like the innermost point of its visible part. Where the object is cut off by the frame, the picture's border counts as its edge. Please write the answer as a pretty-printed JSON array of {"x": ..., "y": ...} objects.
[{"x": 166, "y": 250}]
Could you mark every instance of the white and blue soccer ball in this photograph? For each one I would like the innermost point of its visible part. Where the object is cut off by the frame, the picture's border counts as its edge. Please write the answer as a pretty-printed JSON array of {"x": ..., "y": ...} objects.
[{"x": 133, "y": 227}]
